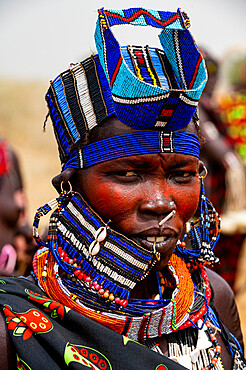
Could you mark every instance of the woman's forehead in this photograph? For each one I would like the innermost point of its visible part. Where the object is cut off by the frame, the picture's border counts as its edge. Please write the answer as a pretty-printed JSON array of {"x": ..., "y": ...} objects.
[
  {"x": 113, "y": 127},
  {"x": 148, "y": 162}
]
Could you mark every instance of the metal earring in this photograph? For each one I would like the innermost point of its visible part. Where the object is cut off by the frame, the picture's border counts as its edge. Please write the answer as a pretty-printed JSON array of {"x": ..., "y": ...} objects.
[
  {"x": 206, "y": 172},
  {"x": 157, "y": 254}
]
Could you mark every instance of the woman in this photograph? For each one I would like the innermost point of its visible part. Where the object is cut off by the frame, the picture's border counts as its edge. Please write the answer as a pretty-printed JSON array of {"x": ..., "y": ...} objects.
[
  {"x": 9, "y": 211},
  {"x": 15, "y": 234},
  {"x": 120, "y": 274}
]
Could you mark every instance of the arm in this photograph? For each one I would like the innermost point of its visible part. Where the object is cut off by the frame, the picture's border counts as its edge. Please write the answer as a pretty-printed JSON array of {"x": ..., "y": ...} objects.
[
  {"x": 7, "y": 356},
  {"x": 224, "y": 302}
]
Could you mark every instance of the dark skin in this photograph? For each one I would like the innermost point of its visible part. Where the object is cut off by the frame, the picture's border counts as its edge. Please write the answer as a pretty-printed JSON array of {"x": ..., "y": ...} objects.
[{"x": 135, "y": 194}]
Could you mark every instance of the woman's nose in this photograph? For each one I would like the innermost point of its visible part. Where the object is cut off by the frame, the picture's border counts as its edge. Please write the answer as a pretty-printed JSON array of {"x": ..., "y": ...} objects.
[{"x": 158, "y": 206}]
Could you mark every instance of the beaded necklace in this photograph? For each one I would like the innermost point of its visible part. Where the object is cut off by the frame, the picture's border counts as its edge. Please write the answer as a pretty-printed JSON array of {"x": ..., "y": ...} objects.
[
  {"x": 150, "y": 325},
  {"x": 174, "y": 314},
  {"x": 193, "y": 349}
]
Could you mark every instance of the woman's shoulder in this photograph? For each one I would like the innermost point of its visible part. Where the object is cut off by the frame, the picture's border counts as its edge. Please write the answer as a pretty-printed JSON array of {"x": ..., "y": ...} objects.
[
  {"x": 225, "y": 304},
  {"x": 220, "y": 287}
]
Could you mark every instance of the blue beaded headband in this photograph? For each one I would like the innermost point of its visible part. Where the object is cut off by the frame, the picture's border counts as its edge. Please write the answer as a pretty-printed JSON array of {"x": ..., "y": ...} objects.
[{"x": 136, "y": 143}]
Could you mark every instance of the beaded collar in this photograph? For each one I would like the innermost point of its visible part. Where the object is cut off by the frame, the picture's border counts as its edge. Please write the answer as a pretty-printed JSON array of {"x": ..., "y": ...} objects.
[
  {"x": 92, "y": 269},
  {"x": 185, "y": 307}
]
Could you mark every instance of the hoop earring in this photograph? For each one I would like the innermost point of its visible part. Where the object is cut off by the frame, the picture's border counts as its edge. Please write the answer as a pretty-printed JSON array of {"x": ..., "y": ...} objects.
[
  {"x": 58, "y": 202},
  {"x": 203, "y": 234},
  {"x": 64, "y": 190},
  {"x": 206, "y": 172},
  {"x": 64, "y": 196}
]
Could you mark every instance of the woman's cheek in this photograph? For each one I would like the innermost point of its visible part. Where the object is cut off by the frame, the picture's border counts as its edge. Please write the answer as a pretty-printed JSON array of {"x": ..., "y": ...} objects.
[
  {"x": 121, "y": 208},
  {"x": 187, "y": 203},
  {"x": 109, "y": 200}
]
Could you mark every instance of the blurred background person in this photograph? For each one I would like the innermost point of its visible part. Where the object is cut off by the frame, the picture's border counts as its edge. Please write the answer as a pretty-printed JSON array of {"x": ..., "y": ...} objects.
[
  {"x": 16, "y": 242},
  {"x": 225, "y": 183},
  {"x": 232, "y": 105}
]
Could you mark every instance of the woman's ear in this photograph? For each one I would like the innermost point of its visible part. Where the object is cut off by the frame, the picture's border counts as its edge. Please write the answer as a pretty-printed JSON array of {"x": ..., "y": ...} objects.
[
  {"x": 64, "y": 177},
  {"x": 202, "y": 170}
]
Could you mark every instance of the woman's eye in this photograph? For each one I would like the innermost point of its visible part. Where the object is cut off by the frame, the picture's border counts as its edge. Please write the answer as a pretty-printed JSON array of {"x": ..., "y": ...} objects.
[
  {"x": 126, "y": 173},
  {"x": 125, "y": 176},
  {"x": 183, "y": 175},
  {"x": 130, "y": 173}
]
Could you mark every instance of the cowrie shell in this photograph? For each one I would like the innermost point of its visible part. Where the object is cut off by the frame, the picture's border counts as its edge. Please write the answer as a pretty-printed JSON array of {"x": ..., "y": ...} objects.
[
  {"x": 94, "y": 248},
  {"x": 101, "y": 234}
]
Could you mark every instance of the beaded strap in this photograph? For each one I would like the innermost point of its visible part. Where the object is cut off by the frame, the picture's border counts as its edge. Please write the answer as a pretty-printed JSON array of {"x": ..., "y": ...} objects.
[
  {"x": 83, "y": 245},
  {"x": 42, "y": 211},
  {"x": 143, "y": 142}
]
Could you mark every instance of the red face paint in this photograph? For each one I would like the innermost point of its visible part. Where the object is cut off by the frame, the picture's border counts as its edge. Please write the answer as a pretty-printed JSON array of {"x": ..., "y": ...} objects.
[{"x": 135, "y": 194}]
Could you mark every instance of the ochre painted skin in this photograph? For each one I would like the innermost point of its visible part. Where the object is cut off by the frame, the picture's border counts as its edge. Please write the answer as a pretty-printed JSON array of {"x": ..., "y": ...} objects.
[{"x": 135, "y": 194}]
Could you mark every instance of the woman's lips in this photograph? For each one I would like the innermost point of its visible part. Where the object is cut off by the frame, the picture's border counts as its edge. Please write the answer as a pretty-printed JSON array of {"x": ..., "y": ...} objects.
[{"x": 161, "y": 242}]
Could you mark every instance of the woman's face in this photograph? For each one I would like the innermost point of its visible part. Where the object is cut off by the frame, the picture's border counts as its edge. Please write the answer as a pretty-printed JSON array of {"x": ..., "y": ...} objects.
[{"x": 135, "y": 193}]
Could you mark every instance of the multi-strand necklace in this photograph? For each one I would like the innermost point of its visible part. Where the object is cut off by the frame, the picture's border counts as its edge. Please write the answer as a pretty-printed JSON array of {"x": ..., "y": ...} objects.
[{"x": 140, "y": 319}]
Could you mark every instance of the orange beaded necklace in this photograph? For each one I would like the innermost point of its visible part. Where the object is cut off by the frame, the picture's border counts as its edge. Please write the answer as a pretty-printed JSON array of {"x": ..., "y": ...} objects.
[{"x": 147, "y": 325}]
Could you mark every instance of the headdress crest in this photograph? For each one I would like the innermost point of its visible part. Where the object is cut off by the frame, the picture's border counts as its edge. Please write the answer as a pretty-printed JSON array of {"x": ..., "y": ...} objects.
[
  {"x": 141, "y": 98},
  {"x": 146, "y": 88}
]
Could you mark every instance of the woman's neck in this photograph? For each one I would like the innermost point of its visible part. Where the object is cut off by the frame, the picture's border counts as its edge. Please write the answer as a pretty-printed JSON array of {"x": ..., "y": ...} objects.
[{"x": 146, "y": 288}]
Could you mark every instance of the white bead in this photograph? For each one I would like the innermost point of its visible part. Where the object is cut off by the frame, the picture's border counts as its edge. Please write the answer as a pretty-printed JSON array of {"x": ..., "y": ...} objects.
[
  {"x": 101, "y": 234},
  {"x": 94, "y": 248}
]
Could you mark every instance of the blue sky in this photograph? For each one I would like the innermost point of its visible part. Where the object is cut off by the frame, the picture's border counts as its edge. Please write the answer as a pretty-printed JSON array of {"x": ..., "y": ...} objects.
[{"x": 39, "y": 38}]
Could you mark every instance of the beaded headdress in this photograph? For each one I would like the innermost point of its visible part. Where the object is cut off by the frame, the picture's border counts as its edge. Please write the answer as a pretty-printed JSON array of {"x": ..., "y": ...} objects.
[{"x": 146, "y": 88}]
